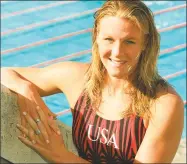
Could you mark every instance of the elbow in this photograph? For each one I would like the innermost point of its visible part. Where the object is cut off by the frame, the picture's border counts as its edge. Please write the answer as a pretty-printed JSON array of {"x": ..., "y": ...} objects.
[
  {"x": 4, "y": 72},
  {"x": 5, "y": 69}
]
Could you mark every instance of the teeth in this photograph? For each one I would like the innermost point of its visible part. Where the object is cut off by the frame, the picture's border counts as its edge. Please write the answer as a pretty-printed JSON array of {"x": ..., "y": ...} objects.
[{"x": 117, "y": 63}]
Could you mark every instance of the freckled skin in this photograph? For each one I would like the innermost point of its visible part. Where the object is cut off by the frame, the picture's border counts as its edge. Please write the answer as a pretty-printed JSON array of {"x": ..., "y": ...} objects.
[{"x": 120, "y": 40}]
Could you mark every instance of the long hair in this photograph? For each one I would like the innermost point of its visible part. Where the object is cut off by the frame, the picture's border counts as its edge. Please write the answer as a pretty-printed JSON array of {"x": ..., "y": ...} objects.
[{"x": 146, "y": 78}]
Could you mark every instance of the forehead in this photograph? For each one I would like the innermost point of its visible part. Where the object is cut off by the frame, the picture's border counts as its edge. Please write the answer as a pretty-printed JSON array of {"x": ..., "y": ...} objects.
[{"x": 119, "y": 27}]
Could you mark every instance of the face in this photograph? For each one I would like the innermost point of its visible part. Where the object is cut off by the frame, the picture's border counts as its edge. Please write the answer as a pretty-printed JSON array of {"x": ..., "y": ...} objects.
[{"x": 120, "y": 44}]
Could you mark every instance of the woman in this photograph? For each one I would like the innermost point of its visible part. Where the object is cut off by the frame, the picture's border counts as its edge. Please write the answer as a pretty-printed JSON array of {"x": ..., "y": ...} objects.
[{"x": 123, "y": 110}]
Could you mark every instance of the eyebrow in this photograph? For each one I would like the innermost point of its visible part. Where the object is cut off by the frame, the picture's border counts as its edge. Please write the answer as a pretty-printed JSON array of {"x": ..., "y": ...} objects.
[{"x": 127, "y": 37}]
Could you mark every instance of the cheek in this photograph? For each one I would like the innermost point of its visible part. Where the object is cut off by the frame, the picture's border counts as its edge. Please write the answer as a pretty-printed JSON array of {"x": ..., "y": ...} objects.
[
  {"x": 104, "y": 52},
  {"x": 134, "y": 53},
  {"x": 135, "y": 60}
]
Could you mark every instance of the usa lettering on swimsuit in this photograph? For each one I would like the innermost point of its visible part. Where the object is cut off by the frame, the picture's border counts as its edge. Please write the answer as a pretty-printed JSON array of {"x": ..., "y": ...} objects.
[{"x": 103, "y": 138}]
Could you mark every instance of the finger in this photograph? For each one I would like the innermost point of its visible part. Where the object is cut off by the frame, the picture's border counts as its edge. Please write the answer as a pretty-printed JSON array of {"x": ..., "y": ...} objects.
[
  {"x": 32, "y": 106},
  {"x": 45, "y": 109},
  {"x": 23, "y": 123},
  {"x": 52, "y": 114},
  {"x": 40, "y": 124},
  {"x": 22, "y": 104},
  {"x": 43, "y": 131},
  {"x": 30, "y": 121},
  {"x": 52, "y": 123},
  {"x": 34, "y": 114},
  {"x": 31, "y": 135},
  {"x": 23, "y": 120},
  {"x": 38, "y": 100},
  {"x": 40, "y": 140},
  {"x": 44, "y": 119},
  {"x": 35, "y": 127},
  {"x": 35, "y": 138},
  {"x": 22, "y": 129},
  {"x": 28, "y": 132}
]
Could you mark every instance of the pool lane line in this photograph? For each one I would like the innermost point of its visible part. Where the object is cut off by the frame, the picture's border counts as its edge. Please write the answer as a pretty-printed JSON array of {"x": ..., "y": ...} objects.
[
  {"x": 170, "y": 50},
  {"x": 73, "y": 16},
  {"x": 170, "y": 76},
  {"x": 46, "y": 41},
  {"x": 73, "y": 34},
  {"x": 29, "y": 10},
  {"x": 172, "y": 27},
  {"x": 78, "y": 54},
  {"x": 42, "y": 7},
  {"x": 63, "y": 112},
  {"x": 43, "y": 23},
  {"x": 169, "y": 9},
  {"x": 63, "y": 58}
]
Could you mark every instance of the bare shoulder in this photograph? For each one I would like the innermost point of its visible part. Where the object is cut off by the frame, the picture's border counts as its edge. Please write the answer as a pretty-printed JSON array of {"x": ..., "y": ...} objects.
[
  {"x": 168, "y": 112},
  {"x": 70, "y": 67},
  {"x": 69, "y": 73},
  {"x": 71, "y": 79},
  {"x": 168, "y": 102}
]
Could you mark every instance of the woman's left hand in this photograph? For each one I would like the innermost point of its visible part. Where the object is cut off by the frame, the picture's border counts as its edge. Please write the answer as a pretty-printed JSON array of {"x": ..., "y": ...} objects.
[{"x": 51, "y": 150}]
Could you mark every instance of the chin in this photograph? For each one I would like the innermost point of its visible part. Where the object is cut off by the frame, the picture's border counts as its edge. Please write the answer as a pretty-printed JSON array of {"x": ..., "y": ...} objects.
[{"x": 118, "y": 75}]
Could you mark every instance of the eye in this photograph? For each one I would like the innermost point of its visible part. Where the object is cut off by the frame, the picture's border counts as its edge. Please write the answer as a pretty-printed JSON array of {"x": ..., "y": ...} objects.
[
  {"x": 109, "y": 39},
  {"x": 130, "y": 42}
]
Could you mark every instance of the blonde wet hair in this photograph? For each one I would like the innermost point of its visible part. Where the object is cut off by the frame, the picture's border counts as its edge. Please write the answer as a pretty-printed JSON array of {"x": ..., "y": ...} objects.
[{"x": 146, "y": 78}]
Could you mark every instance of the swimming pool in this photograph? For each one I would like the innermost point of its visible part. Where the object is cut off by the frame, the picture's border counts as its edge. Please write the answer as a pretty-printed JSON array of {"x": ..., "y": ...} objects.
[{"x": 39, "y": 33}]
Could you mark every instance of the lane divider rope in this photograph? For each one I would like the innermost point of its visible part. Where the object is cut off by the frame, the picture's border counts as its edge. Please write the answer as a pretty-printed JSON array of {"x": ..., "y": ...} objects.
[
  {"x": 170, "y": 50},
  {"x": 46, "y": 41},
  {"x": 169, "y": 9},
  {"x": 63, "y": 58},
  {"x": 42, "y": 7},
  {"x": 73, "y": 34},
  {"x": 52, "y": 21},
  {"x": 175, "y": 74},
  {"x": 172, "y": 27},
  {"x": 73, "y": 16}
]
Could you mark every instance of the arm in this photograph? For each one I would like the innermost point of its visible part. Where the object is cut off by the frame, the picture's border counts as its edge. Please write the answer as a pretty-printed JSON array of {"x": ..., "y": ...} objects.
[
  {"x": 40, "y": 78},
  {"x": 48, "y": 80},
  {"x": 164, "y": 132},
  {"x": 32, "y": 83}
]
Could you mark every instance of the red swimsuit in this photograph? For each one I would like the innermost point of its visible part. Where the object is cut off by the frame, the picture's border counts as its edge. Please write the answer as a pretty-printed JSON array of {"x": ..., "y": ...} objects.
[{"x": 104, "y": 141}]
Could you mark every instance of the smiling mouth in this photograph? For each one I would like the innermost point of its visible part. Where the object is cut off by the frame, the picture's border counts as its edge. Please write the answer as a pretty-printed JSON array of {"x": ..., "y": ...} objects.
[{"x": 117, "y": 63}]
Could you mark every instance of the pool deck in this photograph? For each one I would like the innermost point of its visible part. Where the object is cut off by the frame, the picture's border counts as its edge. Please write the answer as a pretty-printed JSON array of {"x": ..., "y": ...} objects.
[{"x": 15, "y": 151}]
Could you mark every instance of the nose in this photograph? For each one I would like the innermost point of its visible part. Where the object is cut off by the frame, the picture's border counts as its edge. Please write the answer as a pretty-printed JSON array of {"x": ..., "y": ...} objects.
[{"x": 117, "y": 50}]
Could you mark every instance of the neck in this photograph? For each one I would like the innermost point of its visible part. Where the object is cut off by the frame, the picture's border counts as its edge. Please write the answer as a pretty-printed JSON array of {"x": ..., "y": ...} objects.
[{"x": 117, "y": 86}]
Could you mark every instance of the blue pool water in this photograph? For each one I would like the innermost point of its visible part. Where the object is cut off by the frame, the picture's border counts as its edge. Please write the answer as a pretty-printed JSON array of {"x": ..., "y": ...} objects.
[{"x": 168, "y": 63}]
